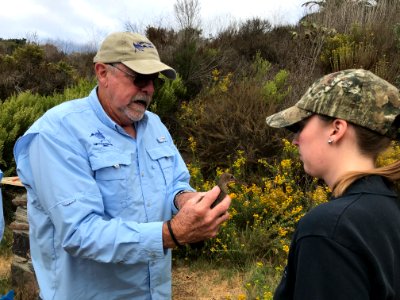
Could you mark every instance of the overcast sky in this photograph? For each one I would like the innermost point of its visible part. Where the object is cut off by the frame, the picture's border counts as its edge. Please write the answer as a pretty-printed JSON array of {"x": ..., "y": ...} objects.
[{"x": 87, "y": 21}]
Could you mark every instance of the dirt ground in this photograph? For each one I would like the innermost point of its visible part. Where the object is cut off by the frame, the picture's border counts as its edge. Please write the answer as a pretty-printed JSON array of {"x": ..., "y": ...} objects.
[
  {"x": 190, "y": 284},
  {"x": 187, "y": 283}
]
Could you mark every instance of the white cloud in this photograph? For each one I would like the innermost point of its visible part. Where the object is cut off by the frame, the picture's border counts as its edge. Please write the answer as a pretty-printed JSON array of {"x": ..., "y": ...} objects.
[{"x": 86, "y": 20}]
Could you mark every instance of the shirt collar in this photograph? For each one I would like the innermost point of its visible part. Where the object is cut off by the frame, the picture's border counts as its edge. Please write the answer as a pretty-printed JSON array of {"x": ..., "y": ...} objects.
[{"x": 372, "y": 184}]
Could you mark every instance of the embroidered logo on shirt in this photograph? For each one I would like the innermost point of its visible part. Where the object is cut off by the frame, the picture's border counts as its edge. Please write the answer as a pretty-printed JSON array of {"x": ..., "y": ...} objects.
[
  {"x": 161, "y": 139},
  {"x": 102, "y": 139}
]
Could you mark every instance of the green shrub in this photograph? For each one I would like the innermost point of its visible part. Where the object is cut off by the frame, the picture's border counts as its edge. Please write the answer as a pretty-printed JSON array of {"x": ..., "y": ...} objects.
[
  {"x": 366, "y": 36},
  {"x": 347, "y": 51},
  {"x": 230, "y": 116},
  {"x": 18, "y": 113},
  {"x": 166, "y": 100},
  {"x": 276, "y": 90},
  {"x": 264, "y": 210},
  {"x": 29, "y": 68},
  {"x": 251, "y": 38}
]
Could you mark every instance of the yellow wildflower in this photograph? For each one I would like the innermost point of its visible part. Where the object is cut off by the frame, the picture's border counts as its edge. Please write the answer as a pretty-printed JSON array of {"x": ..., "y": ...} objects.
[
  {"x": 282, "y": 232},
  {"x": 215, "y": 74},
  {"x": 286, "y": 163},
  {"x": 192, "y": 144},
  {"x": 285, "y": 248}
]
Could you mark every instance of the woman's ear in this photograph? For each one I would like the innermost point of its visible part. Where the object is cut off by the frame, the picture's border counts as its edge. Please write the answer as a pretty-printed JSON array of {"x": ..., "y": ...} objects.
[{"x": 338, "y": 129}]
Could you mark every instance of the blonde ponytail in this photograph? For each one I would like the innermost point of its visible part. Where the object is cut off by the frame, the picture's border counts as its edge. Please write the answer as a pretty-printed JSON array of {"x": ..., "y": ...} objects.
[{"x": 390, "y": 172}]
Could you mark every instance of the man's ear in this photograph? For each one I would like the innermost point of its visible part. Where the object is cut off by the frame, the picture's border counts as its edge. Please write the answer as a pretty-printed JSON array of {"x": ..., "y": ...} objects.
[
  {"x": 338, "y": 129},
  {"x": 101, "y": 71}
]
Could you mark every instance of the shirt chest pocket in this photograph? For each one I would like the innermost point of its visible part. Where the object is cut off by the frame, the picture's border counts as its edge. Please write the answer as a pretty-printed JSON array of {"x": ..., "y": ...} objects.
[
  {"x": 112, "y": 171},
  {"x": 162, "y": 160}
]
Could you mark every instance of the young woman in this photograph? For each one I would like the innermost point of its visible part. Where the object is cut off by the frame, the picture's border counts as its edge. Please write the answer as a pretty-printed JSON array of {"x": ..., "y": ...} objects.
[{"x": 349, "y": 247}]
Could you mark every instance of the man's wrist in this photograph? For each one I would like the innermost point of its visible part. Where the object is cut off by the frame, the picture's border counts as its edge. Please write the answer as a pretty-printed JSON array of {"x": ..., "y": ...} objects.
[
  {"x": 180, "y": 193},
  {"x": 172, "y": 234}
]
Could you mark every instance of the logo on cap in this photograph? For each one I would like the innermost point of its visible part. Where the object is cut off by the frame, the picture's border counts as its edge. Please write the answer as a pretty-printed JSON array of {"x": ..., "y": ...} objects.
[{"x": 142, "y": 45}]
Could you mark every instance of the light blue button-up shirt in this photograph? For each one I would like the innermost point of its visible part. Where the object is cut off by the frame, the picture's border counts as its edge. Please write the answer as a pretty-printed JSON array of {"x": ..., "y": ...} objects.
[
  {"x": 97, "y": 199},
  {"x": 1, "y": 210}
]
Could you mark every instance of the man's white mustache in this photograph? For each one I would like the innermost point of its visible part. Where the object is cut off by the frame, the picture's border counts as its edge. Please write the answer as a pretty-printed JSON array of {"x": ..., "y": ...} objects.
[{"x": 141, "y": 99}]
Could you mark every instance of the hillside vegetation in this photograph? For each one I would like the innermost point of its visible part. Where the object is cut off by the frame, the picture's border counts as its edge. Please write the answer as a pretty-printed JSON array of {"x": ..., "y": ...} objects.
[{"x": 216, "y": 111}]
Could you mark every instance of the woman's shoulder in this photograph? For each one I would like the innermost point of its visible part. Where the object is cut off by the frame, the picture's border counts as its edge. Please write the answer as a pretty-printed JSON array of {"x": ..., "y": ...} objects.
[
  {"x": 352, "y": 214},
  {"x": 323, "y": 219}
]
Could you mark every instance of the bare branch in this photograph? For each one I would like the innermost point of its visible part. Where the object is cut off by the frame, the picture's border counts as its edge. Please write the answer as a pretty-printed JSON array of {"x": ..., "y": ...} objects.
[{"x": 187, "y": 13}]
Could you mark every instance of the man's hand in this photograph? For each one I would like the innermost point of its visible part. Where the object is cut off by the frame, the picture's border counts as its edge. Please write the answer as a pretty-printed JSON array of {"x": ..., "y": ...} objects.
[
  {"x": 181, "y": 199},
  {"x": 196, "y": 220}
]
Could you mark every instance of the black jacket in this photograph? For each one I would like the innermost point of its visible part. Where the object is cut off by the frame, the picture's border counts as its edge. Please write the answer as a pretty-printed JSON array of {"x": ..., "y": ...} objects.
[{"x": 347, "y": 248}]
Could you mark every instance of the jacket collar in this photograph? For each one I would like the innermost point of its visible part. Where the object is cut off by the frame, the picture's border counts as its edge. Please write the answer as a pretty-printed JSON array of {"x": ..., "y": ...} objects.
[{"x": 372, "y": 184}]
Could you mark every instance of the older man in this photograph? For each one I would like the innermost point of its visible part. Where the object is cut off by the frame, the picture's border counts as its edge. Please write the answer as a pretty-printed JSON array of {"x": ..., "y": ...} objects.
[{"x": 104, "y": 178}]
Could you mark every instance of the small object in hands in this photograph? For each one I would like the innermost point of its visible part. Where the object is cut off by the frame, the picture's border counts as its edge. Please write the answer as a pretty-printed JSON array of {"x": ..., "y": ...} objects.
[{"x": 223, "y": 182}]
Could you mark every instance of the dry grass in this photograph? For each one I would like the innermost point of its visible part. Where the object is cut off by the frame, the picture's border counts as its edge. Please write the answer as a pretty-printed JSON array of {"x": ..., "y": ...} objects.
[
  {"x": 210, "y": 284},
  {"x": 5, "y": 266},
  {"x": 5, "y": 273},
  {"x": 372, "y": 33}
]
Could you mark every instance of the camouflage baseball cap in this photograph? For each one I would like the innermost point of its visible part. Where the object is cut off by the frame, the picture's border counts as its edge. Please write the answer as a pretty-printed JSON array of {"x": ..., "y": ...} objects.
[
  {"x": 135, "y": 51},
  {"x": 355, "y": 95}
]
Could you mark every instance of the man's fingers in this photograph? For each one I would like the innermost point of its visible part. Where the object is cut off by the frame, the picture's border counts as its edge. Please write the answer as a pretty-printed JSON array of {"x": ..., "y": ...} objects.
[
  {"x": 198, "y": 220},
  {"x": 210, "y": 196},
  {"x": 223, "y": 217},
  {"x": 224, "y": 204},
  {"x": 198, "y": 197}
]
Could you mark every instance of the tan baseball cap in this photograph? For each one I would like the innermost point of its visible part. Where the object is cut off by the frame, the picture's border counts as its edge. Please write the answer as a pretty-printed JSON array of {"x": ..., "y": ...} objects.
[
  {"x": 134, "y": 51},
  {"x": 354, "y": 95}
]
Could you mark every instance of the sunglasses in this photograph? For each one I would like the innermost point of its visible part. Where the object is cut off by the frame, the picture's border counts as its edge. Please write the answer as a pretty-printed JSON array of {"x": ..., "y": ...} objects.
[
  {"x": 299, "y": 126},
  {"x": 141, "y": 80}
]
